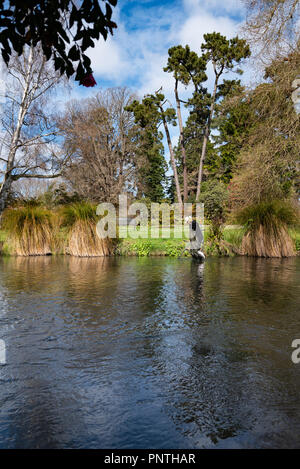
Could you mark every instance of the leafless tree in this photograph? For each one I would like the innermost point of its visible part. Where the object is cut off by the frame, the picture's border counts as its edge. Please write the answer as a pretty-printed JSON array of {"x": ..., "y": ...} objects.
[
  {"x": 27, "y": 138},
  {"x": 100, "y": 137},
  {"x": 272, "y": 27}
]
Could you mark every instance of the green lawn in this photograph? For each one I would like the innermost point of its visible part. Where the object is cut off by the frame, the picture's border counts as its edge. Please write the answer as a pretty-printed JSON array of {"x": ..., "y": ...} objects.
[{"x": 163, "y": 233}]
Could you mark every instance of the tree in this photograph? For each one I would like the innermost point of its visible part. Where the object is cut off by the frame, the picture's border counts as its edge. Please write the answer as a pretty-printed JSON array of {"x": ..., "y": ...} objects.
[
  {"x": 151, "y": 112},
  {"x": 267, "y": 163},
  {"x": 222, "y": 149},
  {"x": 100, "y": 136},
  {"x": 64, "y": 29},
  {"x": 171, "y": 189},
  {"x": 194, "y": 132},
  {"x": 265, "y": 186},
  {"x": 150, "y": 163},
  {"x": 27, "y": 140},
  {"x": 224, "y": 55},
  {"x": 234, "y": 120},
  {"x": 272, "y": 25},
  {"x": 186, "y": 66},
  {"x": 193, "y": 138}
]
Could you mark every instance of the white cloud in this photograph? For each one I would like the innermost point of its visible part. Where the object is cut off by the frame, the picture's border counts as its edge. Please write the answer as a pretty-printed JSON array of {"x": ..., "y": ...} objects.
[
  {"x": 195, "y": 26},
  {"x": 154, "y": 77},
  {"x": 107, "y": 61},
  {"x": 190, "y": 31},
  {"x": 137, "y": 53}
]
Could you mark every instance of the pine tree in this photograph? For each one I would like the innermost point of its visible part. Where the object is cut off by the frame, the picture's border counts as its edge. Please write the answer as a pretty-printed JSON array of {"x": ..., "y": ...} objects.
[
  {"x": 224, "y": 54},
  {"x": 186, "y": 67}
]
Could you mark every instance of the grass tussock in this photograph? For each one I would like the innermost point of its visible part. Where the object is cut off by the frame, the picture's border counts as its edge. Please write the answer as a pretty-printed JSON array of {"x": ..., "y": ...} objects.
[
  {"x": 29, "y": 229},
  {"x": 234, "y": 237},
  {"x": 80, "y": 219},
  {"x": 267, "y": 232}
]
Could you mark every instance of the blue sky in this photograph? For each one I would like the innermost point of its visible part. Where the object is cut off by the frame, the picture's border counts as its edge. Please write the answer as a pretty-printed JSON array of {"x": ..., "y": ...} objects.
[
  {"x": 136, "y": 54},
  {"x": 138, "y": 51}
]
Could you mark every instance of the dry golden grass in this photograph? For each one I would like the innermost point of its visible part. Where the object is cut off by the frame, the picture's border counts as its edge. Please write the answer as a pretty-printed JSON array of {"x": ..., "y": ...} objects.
[
  {"x": 83, "y": 241},
  {"x": 273, "y": 241},
  {"x": 267, "y": 228},
  {"x": 80, "y": 220},
  {"x": 30, "y": 230}
]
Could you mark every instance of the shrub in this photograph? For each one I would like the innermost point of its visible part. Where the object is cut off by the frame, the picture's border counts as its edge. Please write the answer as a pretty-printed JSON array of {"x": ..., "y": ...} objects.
[
  {"x": 142, "y": 248},
  {"x": 57, "y": 195},
  {"x": 214, "y": 195},
  {"x": 175, "y": 249}
]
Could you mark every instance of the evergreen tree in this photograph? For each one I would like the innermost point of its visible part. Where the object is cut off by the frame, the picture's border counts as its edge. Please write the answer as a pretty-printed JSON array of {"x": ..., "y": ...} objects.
[
  {"x": 193, "y": 137},
  {"x": 220, "y": 153},
  {"x": 150, "y": 114},
  {"x": 224, "y": 54},
  {"x": 234, "y": 120},
  {"x": 186, "y": 67},
  {"x": 151, "y": 165}
]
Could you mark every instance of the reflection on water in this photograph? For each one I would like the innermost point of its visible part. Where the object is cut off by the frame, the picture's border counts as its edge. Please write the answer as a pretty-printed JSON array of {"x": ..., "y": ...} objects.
[{"x": 149, "y": 353}]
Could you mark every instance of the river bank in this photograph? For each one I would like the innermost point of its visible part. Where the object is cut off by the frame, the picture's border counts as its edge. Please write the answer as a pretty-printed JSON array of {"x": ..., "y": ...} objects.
[{"x": 163, "y": 246}]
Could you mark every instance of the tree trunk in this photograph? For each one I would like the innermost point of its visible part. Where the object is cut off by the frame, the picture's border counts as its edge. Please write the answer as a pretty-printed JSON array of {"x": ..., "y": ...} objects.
[
  {"x": 4, "y": 193},
  {"x": 176, "y": 180},
  {"x": 183, "y": 153},
  {"x": 25, "y": 103},
  {"x": 206, "y": 137}
]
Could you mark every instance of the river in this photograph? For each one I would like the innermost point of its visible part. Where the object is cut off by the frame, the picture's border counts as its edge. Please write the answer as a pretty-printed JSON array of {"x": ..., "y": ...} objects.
[{"x": 149, "y": 353}]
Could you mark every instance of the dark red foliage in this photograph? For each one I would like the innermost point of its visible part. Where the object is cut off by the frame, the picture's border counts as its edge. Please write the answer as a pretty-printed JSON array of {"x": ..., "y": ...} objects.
[{"x": 88, "y": 80}]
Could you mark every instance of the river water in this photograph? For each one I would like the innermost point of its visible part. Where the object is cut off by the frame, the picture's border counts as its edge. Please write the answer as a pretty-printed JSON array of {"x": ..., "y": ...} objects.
[{"x": 149, "y": 353}]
